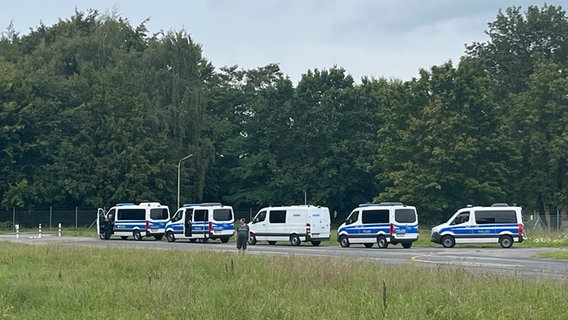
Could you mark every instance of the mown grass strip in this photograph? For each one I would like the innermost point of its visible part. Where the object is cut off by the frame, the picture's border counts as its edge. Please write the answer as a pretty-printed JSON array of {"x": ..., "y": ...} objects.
[{"x": 57, "y": 282}]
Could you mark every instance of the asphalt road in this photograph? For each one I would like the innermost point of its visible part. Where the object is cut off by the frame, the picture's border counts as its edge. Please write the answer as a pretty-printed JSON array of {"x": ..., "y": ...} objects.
[{"x": 516, "y": 261}]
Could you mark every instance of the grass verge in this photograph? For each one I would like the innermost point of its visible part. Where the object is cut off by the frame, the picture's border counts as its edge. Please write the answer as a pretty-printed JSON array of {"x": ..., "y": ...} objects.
[{"x": 56, "y": 282}]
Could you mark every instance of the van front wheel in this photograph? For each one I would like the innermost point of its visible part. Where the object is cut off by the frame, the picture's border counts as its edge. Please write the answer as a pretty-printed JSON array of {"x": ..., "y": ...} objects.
[
  {"x": 506, "y": 241},
  {"x": 137, "y": 235},
  {"x": 344, "y": 242},
  {"x": 448, "y": 242},
  {"x": 170, "y": 237},
  {"x": 252, "y": 240},
  {"x": 382, "y": 242},
  {"x": 294, "y": 240}
]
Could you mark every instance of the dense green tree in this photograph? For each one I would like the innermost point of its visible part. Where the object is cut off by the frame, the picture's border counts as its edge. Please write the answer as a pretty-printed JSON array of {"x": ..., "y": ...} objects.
[
  {"x": 539, "y": 119},
  {"x": 451, "y": 151}
]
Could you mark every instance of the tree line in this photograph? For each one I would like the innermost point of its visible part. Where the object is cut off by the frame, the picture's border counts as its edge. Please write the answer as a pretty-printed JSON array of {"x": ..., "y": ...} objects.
[{"x": 95, "y": 111}]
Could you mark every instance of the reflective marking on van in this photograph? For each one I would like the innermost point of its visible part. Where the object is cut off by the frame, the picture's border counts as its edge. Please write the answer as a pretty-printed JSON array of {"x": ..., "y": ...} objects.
[{"x": 296, "y": 214}]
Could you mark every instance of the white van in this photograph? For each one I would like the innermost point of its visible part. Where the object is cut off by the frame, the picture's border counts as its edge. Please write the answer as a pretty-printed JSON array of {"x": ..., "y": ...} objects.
[
  {"x": 291, "y": 223},
  {"x": 201, "y": 222},
  {"x": 499, "y": 223},
  {"x": 147, "y": 219},
  {"x": 383, "y": 223}
]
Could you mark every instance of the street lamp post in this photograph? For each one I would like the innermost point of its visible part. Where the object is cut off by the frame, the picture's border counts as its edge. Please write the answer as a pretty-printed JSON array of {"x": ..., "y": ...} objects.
[{"x": 179, "y": 171}]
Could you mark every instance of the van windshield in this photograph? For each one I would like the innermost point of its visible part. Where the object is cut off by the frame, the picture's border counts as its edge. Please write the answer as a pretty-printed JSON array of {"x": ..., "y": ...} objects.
[
  {"x": 405, "y": 215},
  {"x": 222, "y": 215}
]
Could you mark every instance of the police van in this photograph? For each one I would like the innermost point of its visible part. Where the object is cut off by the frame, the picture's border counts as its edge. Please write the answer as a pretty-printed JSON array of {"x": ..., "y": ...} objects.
[
  {"x": 499, "y": 223},
  {"x": 296, "y": 224},
  {"x": 384, "y": 223},
  {"x": 201, "y": 222},
  {"x": 147, "y": 219}
]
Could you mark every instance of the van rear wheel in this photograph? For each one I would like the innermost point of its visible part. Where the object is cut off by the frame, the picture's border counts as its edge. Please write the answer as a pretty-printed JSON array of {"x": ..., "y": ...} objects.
[
  {"x": 368, "y": 245},
  {"x": 506, "y": 241},
  {"x": 170, "y": 237},
  {"x": 271, "y": 243},
  {"x": 406, "y": 245},
  {"x": 294, "y": 240},
  {"x": 382, "y": 242},
  {"x": 344, "y": 242},
  {"x": 316, "y": 243},
  {"x": 224, "y": 239},
  {"x": 448, "y": 242},
  {"x": 158, "y": 237},
  {"x": 137, "y": 235}
]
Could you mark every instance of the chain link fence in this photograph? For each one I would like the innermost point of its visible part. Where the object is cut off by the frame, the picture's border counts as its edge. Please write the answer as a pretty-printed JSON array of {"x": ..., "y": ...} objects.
[
  {"x": 86, "y": 217},
  {"x": 48, "y": 217}
]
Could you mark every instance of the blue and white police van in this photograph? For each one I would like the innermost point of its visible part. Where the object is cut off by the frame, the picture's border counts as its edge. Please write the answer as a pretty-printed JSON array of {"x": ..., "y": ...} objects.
[
  {"x": 384, "y": 223},
  {"x": 499, "y": 223},
  {"x": 201, "y": 222},
  {"x": 147, "y": 219}
]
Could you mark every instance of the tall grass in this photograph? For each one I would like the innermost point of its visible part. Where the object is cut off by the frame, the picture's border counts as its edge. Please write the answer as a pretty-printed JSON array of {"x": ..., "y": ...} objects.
[{"x": 59, "y": 282}]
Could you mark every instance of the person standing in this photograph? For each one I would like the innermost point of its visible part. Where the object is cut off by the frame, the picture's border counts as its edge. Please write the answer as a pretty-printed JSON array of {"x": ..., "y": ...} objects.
[{"x": 243, "y": 235}]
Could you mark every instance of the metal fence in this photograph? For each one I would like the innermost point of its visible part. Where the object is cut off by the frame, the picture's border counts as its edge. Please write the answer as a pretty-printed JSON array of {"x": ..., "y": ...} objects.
[
  {"x": 86, "y": 217},
  {"x": 47, "y": 217},
  {"x": 68, "y": 217}
]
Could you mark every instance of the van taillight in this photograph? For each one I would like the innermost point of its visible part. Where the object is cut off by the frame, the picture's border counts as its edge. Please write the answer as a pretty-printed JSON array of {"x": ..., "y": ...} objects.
[
  {"x": 392, "y": 228},
  {"x": 521, "y": 229},
  {"x": 147, "y": 225},
  {"x": 210, "y": 226},
  {"x": 308, "y": 228}
]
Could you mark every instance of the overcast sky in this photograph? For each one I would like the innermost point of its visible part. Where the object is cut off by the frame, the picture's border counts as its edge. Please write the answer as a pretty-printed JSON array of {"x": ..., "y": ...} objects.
[{"x": 375, "y": 38}]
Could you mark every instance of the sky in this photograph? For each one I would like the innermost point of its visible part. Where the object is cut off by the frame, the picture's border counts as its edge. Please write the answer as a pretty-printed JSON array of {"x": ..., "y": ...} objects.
[{"x": 393, "y": 39}]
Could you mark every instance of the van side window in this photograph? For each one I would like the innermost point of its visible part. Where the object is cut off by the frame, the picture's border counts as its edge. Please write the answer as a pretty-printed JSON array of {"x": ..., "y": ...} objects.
[
  {"x": 131, "y": 214},
  {"x": 353, "y": 217},
  {"x": 158, "y": 214},
  {"x": 200, "y": 215},
  {"x": 277, "y": 216},
  {"x": 489, "y": 217},
  {"x": 461, "y": 218},
  {"x": 222, "y": 214},
  {"x": 375, "y": 216},
  {"x": 405, "y": 215}
]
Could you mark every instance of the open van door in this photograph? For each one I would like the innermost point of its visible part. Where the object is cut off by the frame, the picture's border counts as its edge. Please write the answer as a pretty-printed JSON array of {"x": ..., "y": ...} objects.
[{"x": 188, "y": 222}]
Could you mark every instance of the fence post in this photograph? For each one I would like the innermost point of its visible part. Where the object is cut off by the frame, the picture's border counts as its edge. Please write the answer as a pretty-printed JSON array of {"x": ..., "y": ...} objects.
[
  {"x": 13, "y": 215},
  {"x": 59, "y": 230},
  {"x": 50, "y": 215},
  {"x": 17, "y": 231},
  {"x": 557, "y": 220},
  {"x": 76, "y": 214},
  {"x": 39, "y": 234}
]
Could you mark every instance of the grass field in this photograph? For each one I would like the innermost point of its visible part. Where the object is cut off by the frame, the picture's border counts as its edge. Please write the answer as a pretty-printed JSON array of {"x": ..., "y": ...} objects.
[{"x": 57, "y": 282}]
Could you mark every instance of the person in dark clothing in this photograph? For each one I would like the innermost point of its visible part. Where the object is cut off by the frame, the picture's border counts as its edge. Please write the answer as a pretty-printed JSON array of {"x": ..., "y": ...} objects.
[{"x": 243, "y": 234}]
